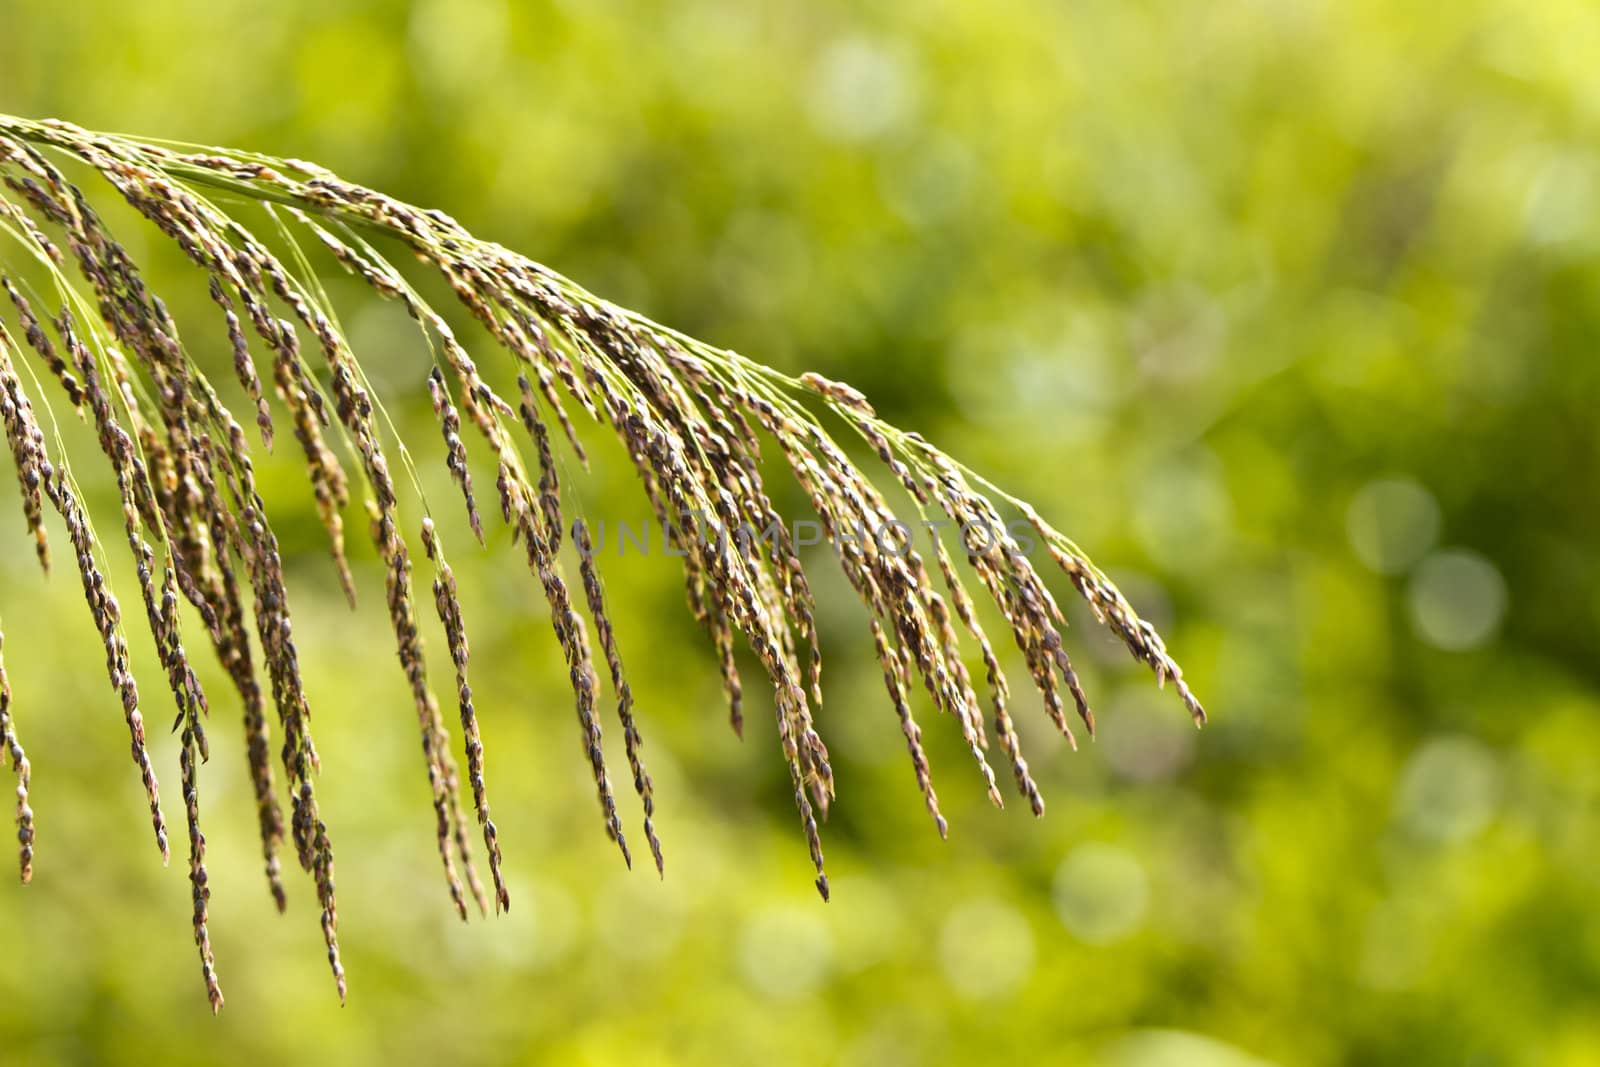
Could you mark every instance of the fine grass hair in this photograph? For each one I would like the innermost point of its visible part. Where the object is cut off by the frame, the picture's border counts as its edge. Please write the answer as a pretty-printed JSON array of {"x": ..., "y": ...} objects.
[{"x": 698, "y": 423}]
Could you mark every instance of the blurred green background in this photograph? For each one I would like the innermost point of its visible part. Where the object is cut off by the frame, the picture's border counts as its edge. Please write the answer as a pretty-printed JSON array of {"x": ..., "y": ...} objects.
[{"x": 1284, "y": 311}]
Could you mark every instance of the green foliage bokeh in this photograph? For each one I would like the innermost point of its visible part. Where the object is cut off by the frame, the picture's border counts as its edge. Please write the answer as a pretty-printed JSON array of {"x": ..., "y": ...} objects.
[{"x": 1285, "y": 312}]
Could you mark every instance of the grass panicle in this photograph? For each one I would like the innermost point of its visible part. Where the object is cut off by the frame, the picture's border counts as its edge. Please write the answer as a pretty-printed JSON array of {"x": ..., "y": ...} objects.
[{"x": 704, "y": 427}]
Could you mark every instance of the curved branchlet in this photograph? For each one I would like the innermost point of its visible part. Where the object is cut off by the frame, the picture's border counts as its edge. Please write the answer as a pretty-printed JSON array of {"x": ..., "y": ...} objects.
[
  {"x": 448, "y": 606},
  {"x": 595, "y": 595},
  {"x": 703, "y": 427},
  {"x": 27, "y": 442},
  {"x": 19, "y": 766}
]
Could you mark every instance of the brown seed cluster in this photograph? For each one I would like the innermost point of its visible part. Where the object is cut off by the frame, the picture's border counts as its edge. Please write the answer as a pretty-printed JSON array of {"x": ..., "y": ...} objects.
[
  {"x": 448, "y": 606},
  {"x": 19, "y": 766},
  {"x": 702, "y": 427},
  {"x": 595, "y": 595}
]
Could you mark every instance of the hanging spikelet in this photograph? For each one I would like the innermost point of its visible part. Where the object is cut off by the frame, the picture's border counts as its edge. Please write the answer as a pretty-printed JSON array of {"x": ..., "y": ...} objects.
[
  {"x": 700, "y": 425},
  {"x": 19, "y": 766}
]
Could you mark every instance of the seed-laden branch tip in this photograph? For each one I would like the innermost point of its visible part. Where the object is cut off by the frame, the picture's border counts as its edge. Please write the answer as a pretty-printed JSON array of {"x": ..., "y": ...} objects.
[{"x": 701, "y": 425}]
